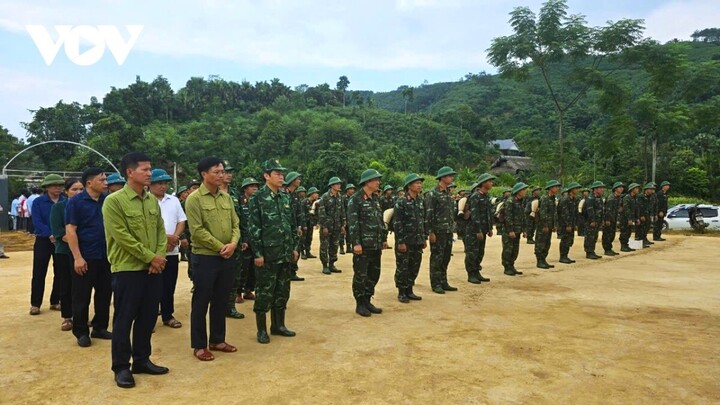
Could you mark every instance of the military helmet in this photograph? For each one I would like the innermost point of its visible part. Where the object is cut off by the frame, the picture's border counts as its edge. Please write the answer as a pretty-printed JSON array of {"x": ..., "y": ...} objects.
[
  {"x": 664, "y": 183},
  {"x": 485, "y": 177},
  {"x": 411, "y": 178},
  {"x": 445, "y": 171},
  {"x": 181, "y": 190},
  {"x": 194, "y": 182},
  {"x": 551, "y": 184},
  {"x": 572, "y": 186},
  {"x": 227, "y": 167},
  {"x": 349, "y": 186},
  {"x": 290, "y": 177},
  {"x": 617, "y": 184},
  {"x": 507, "y": 190},
  {"x": 301, "y": 189},
  {"x": 369, "y": 174},
  {"x": 52, "y": 180},
  {"x": 159, "y": 175},
  {"x": 248, "y": 181},
  {"x": 649, "y": 186},
  {"x": 519, "y": 187},
  {"x": 633, "y": 186},
  {"x": 388, "y": 187},
  {"x": 597, "y": 184},
  {"x": 272, "y": 165},
  {"x": 334, "y": 180},
  {"x": 313, "y": 190},
  {"x": 115, "y": 178},
  {"x": 536, "y": 188}
]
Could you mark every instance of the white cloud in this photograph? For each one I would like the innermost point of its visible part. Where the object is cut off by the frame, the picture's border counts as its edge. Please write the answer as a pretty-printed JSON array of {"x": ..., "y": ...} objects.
[{"x": 679, "y": 19}]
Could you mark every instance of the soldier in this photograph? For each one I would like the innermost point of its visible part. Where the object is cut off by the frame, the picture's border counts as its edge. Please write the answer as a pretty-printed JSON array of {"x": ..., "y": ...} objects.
[
  {"x": 368, "y": 237},
  {"x": 247, "y": 273},
  {"x": 310, "y": 222},
  {"x": 530, "y": 223},
  {"x": 514, "y": 226},
  {"x": 115, "y": 182},
  {"x": 546, "y": 223},
  {"x": 231, "y": 311},
  {"x": 653, "y": 212},
  {"x": 387, "y": 201},
  {"x": 582, "y": 226},
  {"x": 331, "y": 218},
  {"x": 439, "y": 213},
  {"x": 410, "y": 237},
  {"x": 662, "y": 207},
  {"x": 628, "y": 216},
  {"x": 462, "y": 207},
  {"x": 594, "y": 216},
  {"x": 274, "y": 240},
  {"x": 567, "y": 215},
  {"x": 292, "y": 182},
  {"x": 644, "y": 207},
  {"x": 612, "y": 211},
  {"x": 479, "y": 228},
  {"x": 499, "y": 206},
  {"x": 344, "y": 242}
]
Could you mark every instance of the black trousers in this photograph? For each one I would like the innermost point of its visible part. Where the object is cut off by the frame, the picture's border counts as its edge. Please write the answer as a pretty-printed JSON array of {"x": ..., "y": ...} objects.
[
  {"x": 43, "y": 250},
  {"x": 97, "y": 277},
  {"x": 169, "y": 282},
  {"x": 247, "y": 274},
  {"x": 213, "y": 281},
  {"x": 64, "y": 274},
  {"x": 137, "y": 294}
]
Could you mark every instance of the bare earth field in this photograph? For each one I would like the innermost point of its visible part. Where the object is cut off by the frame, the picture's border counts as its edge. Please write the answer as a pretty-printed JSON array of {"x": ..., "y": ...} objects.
[{"x": 643, "y": 327}]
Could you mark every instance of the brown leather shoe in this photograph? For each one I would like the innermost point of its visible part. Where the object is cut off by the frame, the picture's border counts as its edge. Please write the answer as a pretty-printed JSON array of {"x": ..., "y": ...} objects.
[
  {"x": 223, "y": 347},
  {"x": 203, "y": 355},
  {"x": 66, "y": 325},
  {"x": 239, "y": 299},
  {"x": 34, "y": 311}
]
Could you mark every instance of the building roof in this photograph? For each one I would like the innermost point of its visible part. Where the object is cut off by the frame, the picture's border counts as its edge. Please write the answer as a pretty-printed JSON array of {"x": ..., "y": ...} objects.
[{"x": 506, "y": 144}]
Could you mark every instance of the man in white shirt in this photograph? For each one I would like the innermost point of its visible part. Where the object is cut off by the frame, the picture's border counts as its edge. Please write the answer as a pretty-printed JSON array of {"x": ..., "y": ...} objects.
[
  {"x": 14, "y": 212},
  {"x": 174, "y": 218}
]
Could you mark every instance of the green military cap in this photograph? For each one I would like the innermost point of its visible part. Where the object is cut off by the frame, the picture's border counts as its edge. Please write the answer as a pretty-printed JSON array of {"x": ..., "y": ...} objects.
[
  {"x": 507, "y": 190},
  {"x": 52, "y": 180},
  {"x": 585, "y": 189},
  {"x": 300, "y": 189},
  {"x": 411, "y": 178},
  {"x": 272, "y": 165},
  {"x": 551, "y": 184},
  {"x": 475, "y": 185},
  {"x": 290, "y": 177},
  {"x": 485, "y": 177},
  {"x": 313, "y": 190},
  {"x": 349, "y": 186},
  {"x": 445, "y": 171},
  {"x": 650, "y": 186},
  {"x": 633, "y": 186},
  {"x": 388, "y": 187},
  {"x": 248, "y": 181},
  {"x": 194, "y": 182},
  {"x": 572, "y": 186},
  {"x": 537, "y": 188},
  {"x": 597, "y": 184},
  {"x": 115, "y": 178},
  {"x": 369, "y": 174},
  {"x": 617, "y": 184},
  {"x": 159, "y": 175},
  {"x": 519, "y": 187},
  {"x": 334, "y": 180},
  {"x": 227, "y": 166},
  {"x": 664, "y": 183},
  {"x": 180, "y": 190}
]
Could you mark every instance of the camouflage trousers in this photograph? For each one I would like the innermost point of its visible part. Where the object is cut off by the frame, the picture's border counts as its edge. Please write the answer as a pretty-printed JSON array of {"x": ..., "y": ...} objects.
[
  {"x": 510, "y": 250},
  {"x": 591, "y": 237},
  {"x": 329, "y": 247},
  {"x": 625, "y": 232},
  {"x": 272, "y": 288},
  {"x": 657, "y": 227},
  {"x": 474, "y": 253},
  {"x": 306, "y": 239},
  {"x": 247, "y": 274},
  {"x": 543, "y": 240},
  {"x": 407, "y": 265},
  {"x": 567, "y": 239},
  {"x": 190, "y": 264},
  {"x": 531, "y": 228},
  {"x": 237, "y": 278},
  {"x": 440, "y": 258},
  {"x": 366, "y": 273},
  {"x": 499, "y": 229},
  {"x": 608, "y": 237},
  {"x": 641, "y": 230},
  {"x": 581, "y": 225}
]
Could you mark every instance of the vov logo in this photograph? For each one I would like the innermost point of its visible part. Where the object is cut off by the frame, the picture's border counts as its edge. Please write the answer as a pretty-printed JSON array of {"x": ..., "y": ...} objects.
[{"x": 72, "y": 37}]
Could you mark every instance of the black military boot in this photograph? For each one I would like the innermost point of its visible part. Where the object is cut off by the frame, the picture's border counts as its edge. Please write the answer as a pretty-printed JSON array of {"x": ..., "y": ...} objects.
[
  {"x": 518, "y": 273},
  {"x": 303, "y": 255},
  {"x": 402, "y": 296},
  {"x": 326, "y": 269},
  {"x": 277, "y": 325},
  {"x": 509, "y": 271},
  {"x": 566, "y": 260},
  {"x": 626, "y": 248},
  {"x": 473, "y": 278},
  {"x": 295, "y": 277},
  {"x": 310, "y": 255},
  {"x": 542, "y": 264},
  {"x": 592, "y": 256},
  {"x": 610, "y": 253},
  {"x": 552, "y": 266},
  {"x": 372, "y": 308},
  {"x": 342, "y": 249},
  {"x": 483, "y": 279},
  {"x": 448, "y": 287},
  {"x": 349, "y": 248},
  {"x": 411, "y": 295},
  {"x": 360, "y": 307},
  {"x": 261, "y": 322},
  {"x": 334, "y": 269},
  {"x": 438, "y": 289}
]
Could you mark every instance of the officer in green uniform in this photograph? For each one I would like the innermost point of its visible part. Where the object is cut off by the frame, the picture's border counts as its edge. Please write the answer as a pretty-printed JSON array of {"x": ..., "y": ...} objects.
[
  {"x": 331, "y": 218},
  {"x": 612, "y": 211},
  {"x": 514, "y": 227},
  {"x": 530, "y": 223},
  {"x": 274, "y": 240},
  {"x": 247, "y": 276},
  {"x": 368, "y": 237},
  {"x": 567, "y": 215},
  {"x": 292, "y": 184},
  {"x": 546, "y": 223},
  {"x": 594, "y": 215},
  {"x": 345, "y": 239},
  {"x": 410, "y": 237},
  {"x": 644, "y": 209},
  {"x": 439, "y": 223},
  {"x": 662, "y": 207},
  {"x": 628, "y": 217},
  {"x": 310, "y": 222},
  {"x": 231, "y": 311},
  {"x": 479, "y": 227}
]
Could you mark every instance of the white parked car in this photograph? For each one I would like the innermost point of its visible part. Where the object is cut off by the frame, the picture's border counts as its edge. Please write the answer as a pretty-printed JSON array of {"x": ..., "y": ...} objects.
[{"x": 677, "y": 217}]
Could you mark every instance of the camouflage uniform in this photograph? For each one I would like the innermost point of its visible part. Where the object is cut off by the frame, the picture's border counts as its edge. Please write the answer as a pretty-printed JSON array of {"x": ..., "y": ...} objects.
[
  {"x": 247, "y": 276},
  {"x": 530, "y": 221},
  {"x": 367, "y": 229},
  {"x": 662, "y": 206},
  {"x": 644, "y": 207},
  {"x": 594, "y": 219},
  {"x": 310, "y": 222},
  {"x": 331, "y": 215},
  {"x": 653, "y": 213},
  {"x": 514, "y": 222},
  {"x": 237, "y": 259},
  {"x": 299, "y": 215},
  {"x": 481, "y": 221},
  {"x": 612, "y": 211},
  {"x": 546, "y": 225},
  {"x": 628, "y": 220},
  {"x": 567, "y": 217},
  {"x": 439, "y": 220},
  {"x": 408, "y": 219}
]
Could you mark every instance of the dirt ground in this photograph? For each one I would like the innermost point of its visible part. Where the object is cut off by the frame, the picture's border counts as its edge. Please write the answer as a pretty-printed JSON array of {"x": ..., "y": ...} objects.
[{"x": 643, "y": 327}]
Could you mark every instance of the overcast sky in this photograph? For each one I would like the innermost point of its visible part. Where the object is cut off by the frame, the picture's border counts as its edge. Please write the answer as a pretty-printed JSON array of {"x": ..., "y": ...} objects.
[{"x": 379, "y": 44}]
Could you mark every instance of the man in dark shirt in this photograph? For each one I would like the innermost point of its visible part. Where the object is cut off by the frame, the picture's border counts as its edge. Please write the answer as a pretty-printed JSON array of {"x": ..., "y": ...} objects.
[{"x": 662, "y": 207}]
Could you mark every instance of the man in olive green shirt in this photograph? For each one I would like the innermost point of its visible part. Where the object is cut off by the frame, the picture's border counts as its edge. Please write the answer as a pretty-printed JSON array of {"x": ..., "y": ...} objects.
[
  {"x": 136, "y": 243},
  {"x": 215, "y": 230}
]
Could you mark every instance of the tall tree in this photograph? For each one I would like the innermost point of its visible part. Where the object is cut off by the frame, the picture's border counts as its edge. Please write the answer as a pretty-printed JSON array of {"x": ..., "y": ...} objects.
[
  {"x": 408, "y": 95},
  {"x": 342, "y": 86}
]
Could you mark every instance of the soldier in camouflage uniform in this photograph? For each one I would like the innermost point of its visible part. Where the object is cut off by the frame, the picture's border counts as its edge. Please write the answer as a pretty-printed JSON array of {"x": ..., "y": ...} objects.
[
  {"x": 530, "y": 223},
  {"x": 628, "y": 217},
  {"x": 499, "y": 223},
  {"x": 292, "y": 184},
  {"x": 567, "y": 218},
  {"x": 612, "y": 211},
  {"x": 274, "y": 240},
  {"x": 410, "y": 237},
  {"x": 247, "y": 276},
  {"x": 581, "y": 223},
  {"x": 310, "y": 222},
  {"x": 514, "y": 227},
  {"x": 439, "y": 223},
  {"x": 546, "y": 223},
  {"x": 594, "y": 214},
  {"x": 644, "y": 210},
  {"x": 387, "y": 201},
  {"x": 662, "y": 207},
  {"x": 231, "y": 311},
  {"x": 368, "y": 237},
  {"x": 344, "y": 242},
  {"x": 331, "y": 218},
  {"x": 653, "y": 213},
  {"x": 479, "y": 228}
]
